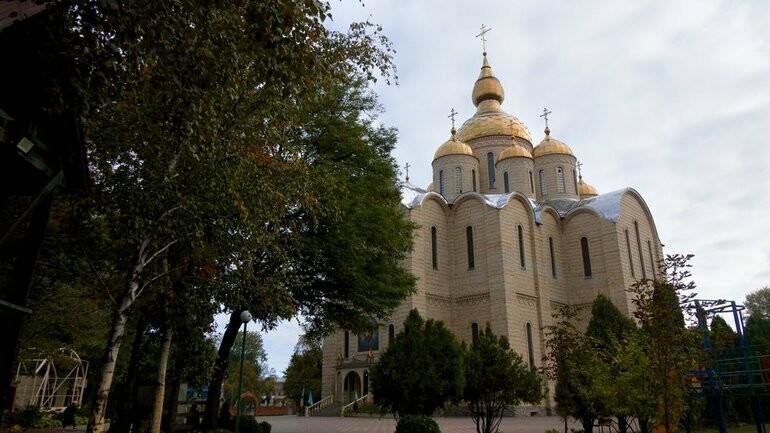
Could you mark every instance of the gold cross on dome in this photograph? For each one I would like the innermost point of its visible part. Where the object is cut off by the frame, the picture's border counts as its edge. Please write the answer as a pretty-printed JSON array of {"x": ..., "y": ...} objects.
[
  {"x": 452, "y": 115},
  {"x": 545, "y": 116},
  {"x": 483, "y": 36},
  {"x": 406, "y": 166},
  {"x": 579, "y": 167}
]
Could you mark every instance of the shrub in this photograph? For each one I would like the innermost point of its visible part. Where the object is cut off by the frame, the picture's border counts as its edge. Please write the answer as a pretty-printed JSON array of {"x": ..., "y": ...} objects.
[
  {"x": 249, "y": 424},
  {"x": 265, "y": 427},
  {"x": 417, "y": 424}
]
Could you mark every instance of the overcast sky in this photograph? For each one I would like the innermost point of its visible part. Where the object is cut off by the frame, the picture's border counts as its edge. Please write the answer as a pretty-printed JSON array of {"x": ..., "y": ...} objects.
[{"x": 671, "y": 98}]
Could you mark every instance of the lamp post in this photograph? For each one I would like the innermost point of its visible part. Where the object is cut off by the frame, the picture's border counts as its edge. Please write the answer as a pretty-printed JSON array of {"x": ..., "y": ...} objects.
[{"x": 245, "y": 318}]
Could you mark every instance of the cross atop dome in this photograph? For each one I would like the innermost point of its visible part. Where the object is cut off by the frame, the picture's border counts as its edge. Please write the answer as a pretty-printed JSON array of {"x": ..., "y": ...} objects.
[{"x": 483, "y": 36}]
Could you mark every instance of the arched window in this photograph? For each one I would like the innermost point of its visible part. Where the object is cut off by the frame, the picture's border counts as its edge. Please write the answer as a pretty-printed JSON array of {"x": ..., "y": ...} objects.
[
  {"x": 575, "y": 181},
  {"x": 639, "y": 247},
  {"x": 491, "y": 169},
  {"x": 522, "y": 260},
  {"x": 458, "y": 180},
  {"x": 469, "y": 241},
  {"x": 630, "y": 259},
  {"x": 391, "y": 333},
  {"x": 652, "y": 262},
  {"x": 506, "y": 184},
  {"x": 531, "y": 183},
  {"x": 474, "y": 332},
  {"x": 530, "y": 347},
  {"x": 560, "y": 179},
  {"x": 441, "y": 182},
  {"x": 542, "y": 183},
  {"x": 346, "y": 345},
  {"x": 586, "y": 257},
  {"x": 434, "y": 247},
  {"x": 553, "y": 257},
  {"x": 473, "y": 179}
]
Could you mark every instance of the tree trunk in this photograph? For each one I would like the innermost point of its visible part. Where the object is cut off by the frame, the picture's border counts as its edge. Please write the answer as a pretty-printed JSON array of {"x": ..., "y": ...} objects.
[
  {"x": 160, "y": 386},
  {"x": 125, "y": 409},
  {"x": 96, "y": 423},
  {"x": 173, "y": 405},
  {"x": 218, "y": 375}
]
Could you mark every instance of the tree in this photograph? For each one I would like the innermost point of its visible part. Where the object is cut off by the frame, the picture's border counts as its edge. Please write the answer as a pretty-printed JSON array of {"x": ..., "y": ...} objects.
[
  {"x": 495, "y": 378},
  {"x": 421, "y": 369},
  {"x": 758, "y": 302},
  {"x": 723, "y": 338},
  {"x": 187, "y": 103},
  {"x": 669, "y": 347},
  {"x": 303, "y": 374},
  {"x": 254, "y": 366}
]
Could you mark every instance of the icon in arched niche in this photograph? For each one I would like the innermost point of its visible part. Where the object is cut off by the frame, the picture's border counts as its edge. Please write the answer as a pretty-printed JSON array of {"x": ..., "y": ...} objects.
[{"x": 370, "y": 338}]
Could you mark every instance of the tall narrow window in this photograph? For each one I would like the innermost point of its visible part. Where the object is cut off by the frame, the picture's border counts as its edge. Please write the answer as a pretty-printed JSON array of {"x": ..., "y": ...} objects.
[
  {"x": 553, "y": 257},
  {"x": 474, "y": 332},
  {"x": 530, "y": 347},
  {"x": 458, "y": 180},
  {"x": 346, "y": 347},
  {"x": 586, "y": 257},
  {"x": 542, "y": 182},
  {"x": 652, "y": 262},
  {"x": 639, "y": 246},
  {"x": 531, "y": 183},
  {"x": 522, "y": 260},
  {"x": 574, "y": 180},
  {"x": 473, "y": 179},
  {"x": 391, "y": 333},
  {"x": 491, "y": 169},
  {"x": 434, "y": 247},
  {"x": 506, "y": 184},
  {"x": 441, "y": 182},
  {"x": 630, "y": 259},
  {"x": 469, "y": 241},
  {"x": 560, "y": 179}
]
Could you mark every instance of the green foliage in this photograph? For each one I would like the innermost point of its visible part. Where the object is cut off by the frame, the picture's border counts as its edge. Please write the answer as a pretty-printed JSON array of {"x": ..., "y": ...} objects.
[
  {"x": 758, "y": 302},
  {"x": 758, "y": 331},
  {"x": 421, "y": 369},
  {"x": 722, "y": 335},
  {"x": 495, "y": 378},
  {"x": 417, "y": 424},
  {"x": 249, "y": 424},
  {"x": 304, "y": 372}
]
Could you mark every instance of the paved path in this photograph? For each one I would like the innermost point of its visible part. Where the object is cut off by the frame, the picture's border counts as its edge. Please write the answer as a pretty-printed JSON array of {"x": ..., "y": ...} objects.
[{"x": 295, "y": 424}]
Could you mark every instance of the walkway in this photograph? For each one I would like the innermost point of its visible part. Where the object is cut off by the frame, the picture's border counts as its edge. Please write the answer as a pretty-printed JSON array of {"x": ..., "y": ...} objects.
[{"x": 295, "y": 424}]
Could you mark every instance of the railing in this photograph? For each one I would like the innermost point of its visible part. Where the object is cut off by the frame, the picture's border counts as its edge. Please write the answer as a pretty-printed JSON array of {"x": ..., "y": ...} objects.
[
  {"x": 319, "y": 405},
  {"x": 368, "y": 398}
]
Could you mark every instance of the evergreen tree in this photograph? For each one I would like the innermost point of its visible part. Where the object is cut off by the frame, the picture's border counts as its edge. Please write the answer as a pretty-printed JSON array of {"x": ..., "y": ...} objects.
[
  {"x": 421, "y": 369},
  {"x": 303, "y": 375}
]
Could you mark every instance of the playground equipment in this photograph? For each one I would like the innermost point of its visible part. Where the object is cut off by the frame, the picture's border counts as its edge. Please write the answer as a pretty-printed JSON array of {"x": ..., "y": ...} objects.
[{"x": 51, "y": 382}]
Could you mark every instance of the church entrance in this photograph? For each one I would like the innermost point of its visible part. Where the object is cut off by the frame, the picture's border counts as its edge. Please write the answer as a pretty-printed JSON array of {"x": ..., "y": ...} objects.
[{"x": 351, "y": 388}]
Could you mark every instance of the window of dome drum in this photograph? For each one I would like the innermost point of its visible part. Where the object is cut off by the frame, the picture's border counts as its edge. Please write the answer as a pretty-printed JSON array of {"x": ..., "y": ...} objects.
[
  {"x": 458, "y": 180},
  {"x": 474, "y": 333},
  {"x": 441, "y": 182},
  {"x": 469, "y": 242},
  {"x": 639, "y": 247},
  {"x": 522, "y": 261},
  {"x": 652, "y": 262},
  {"x": 560, "y": 179},
  {"x": 491, "y": 169},
  {"x": 586, "y": 257},
  {"x": 630, "y": 259},
  {"x": 531, "y": 183},
  {"x": 542, "y": 183},
  {"x": 473, "y": 179},
  {"x": 553, "y": 257},
  {"x": 434, "y": 247},
  {"x": 506, "y": 184}
]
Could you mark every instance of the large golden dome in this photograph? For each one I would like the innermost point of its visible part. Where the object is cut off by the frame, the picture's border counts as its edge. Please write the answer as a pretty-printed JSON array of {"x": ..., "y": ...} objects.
[
  {"x": 490, "y": 119},
  {"x": 514, "y": 151},
  {"x": 551, "y": 146},
  {"x": 453, "y": 146}
]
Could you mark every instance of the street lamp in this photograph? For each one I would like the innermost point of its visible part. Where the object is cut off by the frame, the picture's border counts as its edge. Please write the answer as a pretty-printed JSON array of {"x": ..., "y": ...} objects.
[{"x": 245, "y": 318}]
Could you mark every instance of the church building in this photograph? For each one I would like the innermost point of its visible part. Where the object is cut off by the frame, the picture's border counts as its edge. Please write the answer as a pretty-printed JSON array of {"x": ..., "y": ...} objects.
[{"x": 508, "y": 232}]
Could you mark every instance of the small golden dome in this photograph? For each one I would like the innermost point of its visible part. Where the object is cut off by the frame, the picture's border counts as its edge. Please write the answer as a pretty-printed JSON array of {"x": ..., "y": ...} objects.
[
  {"x": 586, "y": 190},
  {"x": 453, "y": 146},
  {"x": 551, "y": 146},
  {"x": 487, "y": 86},
  {"x": 514, "y": 151}
]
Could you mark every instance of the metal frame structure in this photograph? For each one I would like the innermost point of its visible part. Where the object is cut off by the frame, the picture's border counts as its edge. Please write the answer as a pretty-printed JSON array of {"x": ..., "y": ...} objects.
[{"x": 42, "y": 383}]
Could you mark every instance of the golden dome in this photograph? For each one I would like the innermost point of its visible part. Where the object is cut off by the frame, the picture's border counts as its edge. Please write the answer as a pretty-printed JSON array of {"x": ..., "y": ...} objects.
[
  {"x": 492, "y": 122},
  {"x": 551, "y": 146},
  {"x": 453, "y": 146},
  {"x": 586, "y": 190},
  {"x": 514, "y": 151},
  {"x": 487, "y": 86}
]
